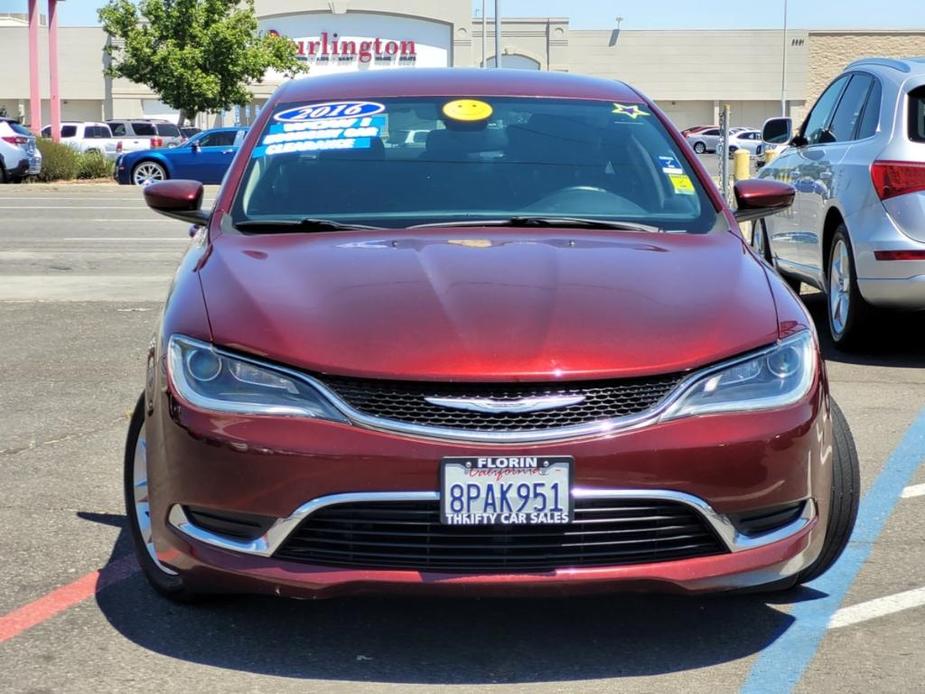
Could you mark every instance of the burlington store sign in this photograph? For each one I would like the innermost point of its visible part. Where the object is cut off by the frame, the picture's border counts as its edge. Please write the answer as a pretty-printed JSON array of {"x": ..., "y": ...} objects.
[{"x": 363, "y": 41}]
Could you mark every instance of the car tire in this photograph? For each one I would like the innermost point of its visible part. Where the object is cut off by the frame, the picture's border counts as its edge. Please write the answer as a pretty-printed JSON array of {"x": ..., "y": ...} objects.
[
  {"x": 846, "y": 309},
  {"x": 762, "y": 248},
  {"x": 846, "y": 495},
  {"x": 147, "y": 171},
  {"x": 699, "y": 147},
  {"x": 162, "y": 579},
  {"x": 760, "y": 241},
  {"x": 3, "y": 177}
]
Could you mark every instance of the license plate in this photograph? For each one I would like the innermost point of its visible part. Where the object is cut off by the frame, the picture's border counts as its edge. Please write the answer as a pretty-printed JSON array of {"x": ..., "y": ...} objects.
[{"x": 506, "y": 490}]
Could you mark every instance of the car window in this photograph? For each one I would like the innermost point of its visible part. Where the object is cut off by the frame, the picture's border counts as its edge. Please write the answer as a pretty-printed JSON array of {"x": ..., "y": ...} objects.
[
  {"x": 849, "y": 108},
  {"x": 46, "y": 131},
  {"x": 167, "y": 130},
  {"x": 822, "y": 111},
  {"x": 20, "y": 129},
  {"x": 118, "y": 129},
  {"x": 871, "y": 114},
  {"x": 917, "y": 115},
  {"x": 711, "y": 131},
  {"x": 219, "y": 138},
  {"x": 518, "y": 156},
  {"x": 68, "y": 130},
  {"x": 143, "y": 129},
  {"x": 97, "y": 132}
]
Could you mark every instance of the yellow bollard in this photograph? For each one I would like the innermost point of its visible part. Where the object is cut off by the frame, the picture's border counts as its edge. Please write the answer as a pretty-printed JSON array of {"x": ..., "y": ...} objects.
[
  {"x": 770, "y": 154},
  {"x": 741, "y": 158}
]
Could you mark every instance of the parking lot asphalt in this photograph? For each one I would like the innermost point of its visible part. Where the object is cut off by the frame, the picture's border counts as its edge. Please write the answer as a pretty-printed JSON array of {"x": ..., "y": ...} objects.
[{"x": 83, "y": 272}]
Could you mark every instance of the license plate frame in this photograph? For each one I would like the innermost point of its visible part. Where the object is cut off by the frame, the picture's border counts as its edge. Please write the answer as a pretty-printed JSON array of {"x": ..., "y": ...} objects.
[{"x": 496, "y": 471}]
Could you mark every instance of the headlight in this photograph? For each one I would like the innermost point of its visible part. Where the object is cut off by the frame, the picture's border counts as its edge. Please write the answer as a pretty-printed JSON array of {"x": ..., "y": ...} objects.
[
  {"x": 774, "y": 378},
  {"x": 212, "y": 380}
]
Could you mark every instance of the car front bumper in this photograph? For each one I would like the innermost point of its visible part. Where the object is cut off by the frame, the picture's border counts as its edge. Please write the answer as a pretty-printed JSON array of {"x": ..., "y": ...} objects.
[{"x": 288, "y": 468}]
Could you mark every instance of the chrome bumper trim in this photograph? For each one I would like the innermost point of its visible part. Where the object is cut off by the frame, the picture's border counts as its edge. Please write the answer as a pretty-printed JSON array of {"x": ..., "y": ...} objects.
[{"x": 270, "y": 541}]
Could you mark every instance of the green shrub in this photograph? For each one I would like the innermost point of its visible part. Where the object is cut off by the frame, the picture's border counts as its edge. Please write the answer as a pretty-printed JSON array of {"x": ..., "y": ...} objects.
[
  {"x": 93, "y": 165},
  {"x": 59, "y": 162}
]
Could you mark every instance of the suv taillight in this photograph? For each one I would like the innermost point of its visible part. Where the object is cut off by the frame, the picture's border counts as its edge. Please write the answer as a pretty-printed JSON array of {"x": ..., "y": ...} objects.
[
  {"x": 892, "y": 178},
  {"x": 15, "y": 139},
  {"x": 157, "y": 142}
]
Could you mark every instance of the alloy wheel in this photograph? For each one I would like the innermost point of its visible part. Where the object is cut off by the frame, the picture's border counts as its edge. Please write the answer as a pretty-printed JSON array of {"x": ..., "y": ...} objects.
[
  {"x": 839, "y": 287},
  {"x": 142, "y": 507},
  {"x": 147, "y": 173}
]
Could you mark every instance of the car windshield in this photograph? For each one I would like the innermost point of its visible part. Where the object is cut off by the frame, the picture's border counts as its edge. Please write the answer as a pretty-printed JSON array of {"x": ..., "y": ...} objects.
[{"x": 484, "y": 158}]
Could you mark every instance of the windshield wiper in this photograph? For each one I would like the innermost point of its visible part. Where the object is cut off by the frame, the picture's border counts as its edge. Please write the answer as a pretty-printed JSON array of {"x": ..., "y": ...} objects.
[
  {"x": 305, "y": 224},
  {"x": 563, "y": 222}
]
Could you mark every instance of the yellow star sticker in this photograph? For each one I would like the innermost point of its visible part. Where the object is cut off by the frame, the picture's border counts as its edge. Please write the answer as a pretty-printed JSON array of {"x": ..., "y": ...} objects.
[{"x": 631, "y": 110}]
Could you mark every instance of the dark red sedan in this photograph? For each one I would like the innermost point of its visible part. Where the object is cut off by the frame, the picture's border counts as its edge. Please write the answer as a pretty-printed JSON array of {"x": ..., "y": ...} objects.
[{"x": 529, "y": 350}]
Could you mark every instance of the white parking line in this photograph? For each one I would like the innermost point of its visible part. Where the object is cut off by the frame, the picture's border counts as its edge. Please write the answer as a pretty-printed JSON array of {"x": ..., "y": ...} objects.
[
  {"x": 98, "y": 220},
  {"x": 180, "y": 237},
  {"x": 879, "y": 607},
  {"x": 913, "y": 490}
]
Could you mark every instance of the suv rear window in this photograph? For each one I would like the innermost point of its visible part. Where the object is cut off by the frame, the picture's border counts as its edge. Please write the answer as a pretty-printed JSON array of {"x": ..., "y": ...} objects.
[
  {"x": 532, "y": 157},
  {"x": 168, "y": 130},
  {"x": 917, "y": 115},
  {"x": 68, "y": 130},
  {"x": 143, "y": 129}
]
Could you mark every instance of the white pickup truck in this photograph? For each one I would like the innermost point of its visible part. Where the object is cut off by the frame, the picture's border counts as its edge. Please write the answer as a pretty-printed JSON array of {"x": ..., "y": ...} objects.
[{"x": 87, "y": 136}]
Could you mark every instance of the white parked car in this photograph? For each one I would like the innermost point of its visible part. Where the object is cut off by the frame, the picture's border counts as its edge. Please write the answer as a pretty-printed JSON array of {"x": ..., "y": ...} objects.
[
  {"x": 88, "y": 136},
  {"x": 19, "y": 157},
  {"x": 749, "y": 140}
]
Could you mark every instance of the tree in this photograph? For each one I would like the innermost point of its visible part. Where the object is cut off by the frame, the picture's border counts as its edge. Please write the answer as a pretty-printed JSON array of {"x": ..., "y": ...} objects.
[{"x": 197, "y": 55}]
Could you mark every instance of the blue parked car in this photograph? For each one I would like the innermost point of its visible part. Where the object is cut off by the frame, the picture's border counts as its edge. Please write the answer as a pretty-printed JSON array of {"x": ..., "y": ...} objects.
[{"x": 204, "y": 157}]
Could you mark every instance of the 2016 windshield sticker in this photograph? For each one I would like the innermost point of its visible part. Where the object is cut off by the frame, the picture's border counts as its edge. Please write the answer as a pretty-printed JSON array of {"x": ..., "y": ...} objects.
[
  {"x": 324, "y": 134},
  {"x": 329, "y": 109},
  {"x": 682, "y": 184},
  {"x": 630, "y": 110}
]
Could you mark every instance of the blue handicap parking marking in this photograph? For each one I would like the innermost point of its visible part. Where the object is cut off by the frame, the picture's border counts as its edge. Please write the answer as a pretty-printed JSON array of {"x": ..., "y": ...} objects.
[{"x": 781, "y": 665}]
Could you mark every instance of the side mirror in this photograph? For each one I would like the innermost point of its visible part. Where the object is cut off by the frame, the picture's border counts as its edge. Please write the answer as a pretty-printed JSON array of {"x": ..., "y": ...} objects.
[
  {"x": 777, "y": 131},
  {"x": 177, "y": 199},
  {"x": 759, "y": 197}
]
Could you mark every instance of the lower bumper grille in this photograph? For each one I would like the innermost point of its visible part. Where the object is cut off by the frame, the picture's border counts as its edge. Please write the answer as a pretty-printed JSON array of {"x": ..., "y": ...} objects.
[{"x": 409, "y": 535}]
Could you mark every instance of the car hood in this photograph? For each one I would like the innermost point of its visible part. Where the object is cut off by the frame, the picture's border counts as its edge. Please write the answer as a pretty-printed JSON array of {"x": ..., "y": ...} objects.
[{"x": 488, "y": 304}]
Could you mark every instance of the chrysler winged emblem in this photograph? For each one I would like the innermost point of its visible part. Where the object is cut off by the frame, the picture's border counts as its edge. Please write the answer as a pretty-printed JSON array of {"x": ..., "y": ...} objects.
[{"x": 490, "y": 406}]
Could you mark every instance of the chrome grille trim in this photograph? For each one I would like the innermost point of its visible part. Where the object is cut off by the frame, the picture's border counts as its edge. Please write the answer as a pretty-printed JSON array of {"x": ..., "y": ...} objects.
[{"x": 270, "y": 541}]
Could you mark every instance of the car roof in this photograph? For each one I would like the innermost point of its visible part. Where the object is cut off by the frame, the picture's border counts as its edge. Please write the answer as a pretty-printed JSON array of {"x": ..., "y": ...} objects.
[{"x": 454, "y": 82}]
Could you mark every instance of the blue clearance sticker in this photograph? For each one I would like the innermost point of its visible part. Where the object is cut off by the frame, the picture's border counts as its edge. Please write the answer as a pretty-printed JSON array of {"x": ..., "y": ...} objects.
[
  {"x": 329, "y": 109},
  {"x": 670, "y": 165},
  {"x": 320, "y": 135}
]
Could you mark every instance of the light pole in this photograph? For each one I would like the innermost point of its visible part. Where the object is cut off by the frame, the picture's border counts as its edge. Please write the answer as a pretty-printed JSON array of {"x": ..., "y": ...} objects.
[
  {"x": 484, "y": 36},
  {"x": 497, "y": 33},
  {"x": 783, "y": 69}
]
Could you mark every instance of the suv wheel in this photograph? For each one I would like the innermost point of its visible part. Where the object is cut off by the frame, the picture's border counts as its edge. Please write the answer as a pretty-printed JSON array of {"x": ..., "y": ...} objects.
[
  {"x": 846, "y": 308},
  {"x": 164, "y": 580}
]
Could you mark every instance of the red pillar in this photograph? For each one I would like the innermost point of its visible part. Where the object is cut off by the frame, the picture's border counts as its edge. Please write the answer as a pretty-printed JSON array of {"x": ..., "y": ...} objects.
[
  {"x": 35, "y": 96},
  {"x": 53, "y": 69}
]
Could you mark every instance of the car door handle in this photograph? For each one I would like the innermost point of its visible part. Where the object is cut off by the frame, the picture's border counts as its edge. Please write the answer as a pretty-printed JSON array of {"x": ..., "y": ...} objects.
[{"x": 227, "y": 151}]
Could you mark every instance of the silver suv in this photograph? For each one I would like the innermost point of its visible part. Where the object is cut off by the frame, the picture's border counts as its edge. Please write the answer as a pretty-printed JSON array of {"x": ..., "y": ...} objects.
[{"x": 856, "y": 229}]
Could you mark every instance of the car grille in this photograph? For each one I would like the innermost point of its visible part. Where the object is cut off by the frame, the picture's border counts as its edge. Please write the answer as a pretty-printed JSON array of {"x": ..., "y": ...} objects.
[
  {"x": 409, "y": 535},
  {"x": 404, "y": 401}
]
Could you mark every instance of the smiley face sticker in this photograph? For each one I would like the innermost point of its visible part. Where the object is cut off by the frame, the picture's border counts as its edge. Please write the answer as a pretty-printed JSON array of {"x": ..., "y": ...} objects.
[{"x": 467, "y": 110}]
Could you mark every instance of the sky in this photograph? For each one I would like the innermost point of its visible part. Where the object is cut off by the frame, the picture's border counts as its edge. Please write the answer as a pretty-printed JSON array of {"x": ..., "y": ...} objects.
[{"x": 666, "y": 14}]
